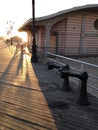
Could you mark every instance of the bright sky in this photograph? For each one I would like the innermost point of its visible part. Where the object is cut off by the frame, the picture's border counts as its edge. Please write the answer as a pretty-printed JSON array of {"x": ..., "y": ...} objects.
[{"x": 19, "y": 11}]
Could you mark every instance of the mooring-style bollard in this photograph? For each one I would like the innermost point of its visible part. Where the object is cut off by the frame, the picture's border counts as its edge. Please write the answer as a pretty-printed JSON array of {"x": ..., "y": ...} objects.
[
  {"x": 64, "y": 71},
  {"x": 50, "y": 65},
  {"x": 83, "y": 99}
]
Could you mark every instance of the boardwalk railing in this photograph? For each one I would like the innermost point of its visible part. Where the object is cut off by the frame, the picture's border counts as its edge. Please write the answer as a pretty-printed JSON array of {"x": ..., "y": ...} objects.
[
  {"x": 79, "y": 66},
  {"x": 72, "y": 51}
]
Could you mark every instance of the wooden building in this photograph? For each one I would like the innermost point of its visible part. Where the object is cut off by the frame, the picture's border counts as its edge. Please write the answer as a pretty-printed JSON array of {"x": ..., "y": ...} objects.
[{"x": 71, "y": 32}]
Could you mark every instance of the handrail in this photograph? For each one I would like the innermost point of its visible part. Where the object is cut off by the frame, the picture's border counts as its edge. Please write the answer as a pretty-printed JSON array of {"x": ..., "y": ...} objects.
[
  {"x": 78, "y": 61},
  {"x": 63, "y": 64},
  {"x": 82, "y": 62}
]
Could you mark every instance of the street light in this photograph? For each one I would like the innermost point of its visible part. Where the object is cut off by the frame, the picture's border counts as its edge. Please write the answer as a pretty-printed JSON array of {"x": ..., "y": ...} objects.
[
  {"x": 34, "y": 50},
  {"x": 10, "y": 29}
]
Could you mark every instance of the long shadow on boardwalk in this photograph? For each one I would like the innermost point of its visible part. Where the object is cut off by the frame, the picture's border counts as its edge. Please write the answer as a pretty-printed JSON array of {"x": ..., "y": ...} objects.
[
  {"x": 67, "y": 114},
  {"x": 23, "y": 106},
  {"x": 21, "y": 99}
]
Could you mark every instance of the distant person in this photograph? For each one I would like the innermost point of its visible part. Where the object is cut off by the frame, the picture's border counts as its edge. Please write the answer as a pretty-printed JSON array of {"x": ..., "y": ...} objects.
[
  {"x": 7, "y": 41},
  {"x": 23, "y": 47},
  {"x": 18, "y": 47}
]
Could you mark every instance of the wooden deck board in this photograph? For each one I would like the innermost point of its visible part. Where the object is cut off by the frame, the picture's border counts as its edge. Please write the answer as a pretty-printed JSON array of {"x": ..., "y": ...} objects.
[
  {"x": 28, "y": 95},
  {"x": 22, "y": 103}
]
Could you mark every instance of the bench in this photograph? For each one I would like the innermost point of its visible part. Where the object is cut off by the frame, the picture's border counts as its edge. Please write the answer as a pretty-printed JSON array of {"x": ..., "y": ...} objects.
[{"x": 65, "y": 72}]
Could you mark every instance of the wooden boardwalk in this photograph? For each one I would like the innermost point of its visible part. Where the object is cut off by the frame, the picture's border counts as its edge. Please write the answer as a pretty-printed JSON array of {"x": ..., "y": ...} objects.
[
  {"x": 22, "y": 103},
  {"x": 31, "y": 99}
]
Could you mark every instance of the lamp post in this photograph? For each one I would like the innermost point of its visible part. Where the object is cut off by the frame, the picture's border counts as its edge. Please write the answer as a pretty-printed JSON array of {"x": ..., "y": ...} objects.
[
  {"x": 10, "y": 29},
  {"x": 34, "y": 50}
]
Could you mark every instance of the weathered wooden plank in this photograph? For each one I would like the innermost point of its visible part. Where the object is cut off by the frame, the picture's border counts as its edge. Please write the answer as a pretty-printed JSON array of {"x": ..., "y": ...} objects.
[
  {"x": 25, "y": 101},
  {"x": 30, "y": 111},
  {"x": 19, "y": 124}
]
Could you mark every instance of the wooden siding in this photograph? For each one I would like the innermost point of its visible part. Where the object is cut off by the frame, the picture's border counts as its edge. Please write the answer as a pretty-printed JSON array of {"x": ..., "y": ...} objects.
[
  {"x": 91, "y": 35},
  {"x": 41, "y": 37},
  {"x": 53, "y": 43},
  {"x": 89, "y": 23},
  {"x": 91, "y": 42},
  {"x": 73, "y": 31},
  {"x": 75, "y": 35},
  {"x": 90, "y": 45},
  {"x": 70, "y": 32},
  {"x": 71, "y": 38},
  {"x": 60, "y": 28}
]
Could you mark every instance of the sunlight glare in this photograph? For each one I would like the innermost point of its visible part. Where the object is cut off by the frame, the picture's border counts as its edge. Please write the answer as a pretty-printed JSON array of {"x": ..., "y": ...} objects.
[{"x": 23, "y": 35}]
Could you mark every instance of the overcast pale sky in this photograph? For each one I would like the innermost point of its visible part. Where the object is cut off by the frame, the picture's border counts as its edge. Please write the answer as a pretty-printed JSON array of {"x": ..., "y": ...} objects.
[{"x": 19, "y": 11}]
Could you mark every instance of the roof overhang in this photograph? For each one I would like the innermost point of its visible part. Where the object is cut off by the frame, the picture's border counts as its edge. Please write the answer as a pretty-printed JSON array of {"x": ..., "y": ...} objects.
[{"x": 28, "y": 24}]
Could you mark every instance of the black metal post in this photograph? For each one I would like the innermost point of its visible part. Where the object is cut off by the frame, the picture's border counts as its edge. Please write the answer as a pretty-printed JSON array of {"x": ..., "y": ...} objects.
[
  {"x": 10, "y": 30},
  {"x": 83, "y": 98},
  {"x": 34, "y": 50},
  {"x": 11, "y": 41},
  {"x": 65, "y": 73}
]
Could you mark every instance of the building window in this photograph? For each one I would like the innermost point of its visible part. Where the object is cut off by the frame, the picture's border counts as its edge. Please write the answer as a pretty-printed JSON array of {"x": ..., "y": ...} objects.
[{"x": 96, "y": 24}]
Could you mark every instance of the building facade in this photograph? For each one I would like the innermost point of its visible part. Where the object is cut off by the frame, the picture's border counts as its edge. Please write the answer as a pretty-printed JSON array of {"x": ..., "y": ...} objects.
[{"x": 72, "y": 32}]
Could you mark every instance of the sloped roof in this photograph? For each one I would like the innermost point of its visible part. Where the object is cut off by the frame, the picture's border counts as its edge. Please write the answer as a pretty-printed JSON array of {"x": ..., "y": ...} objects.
[{"x": 78, "y": 8}]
